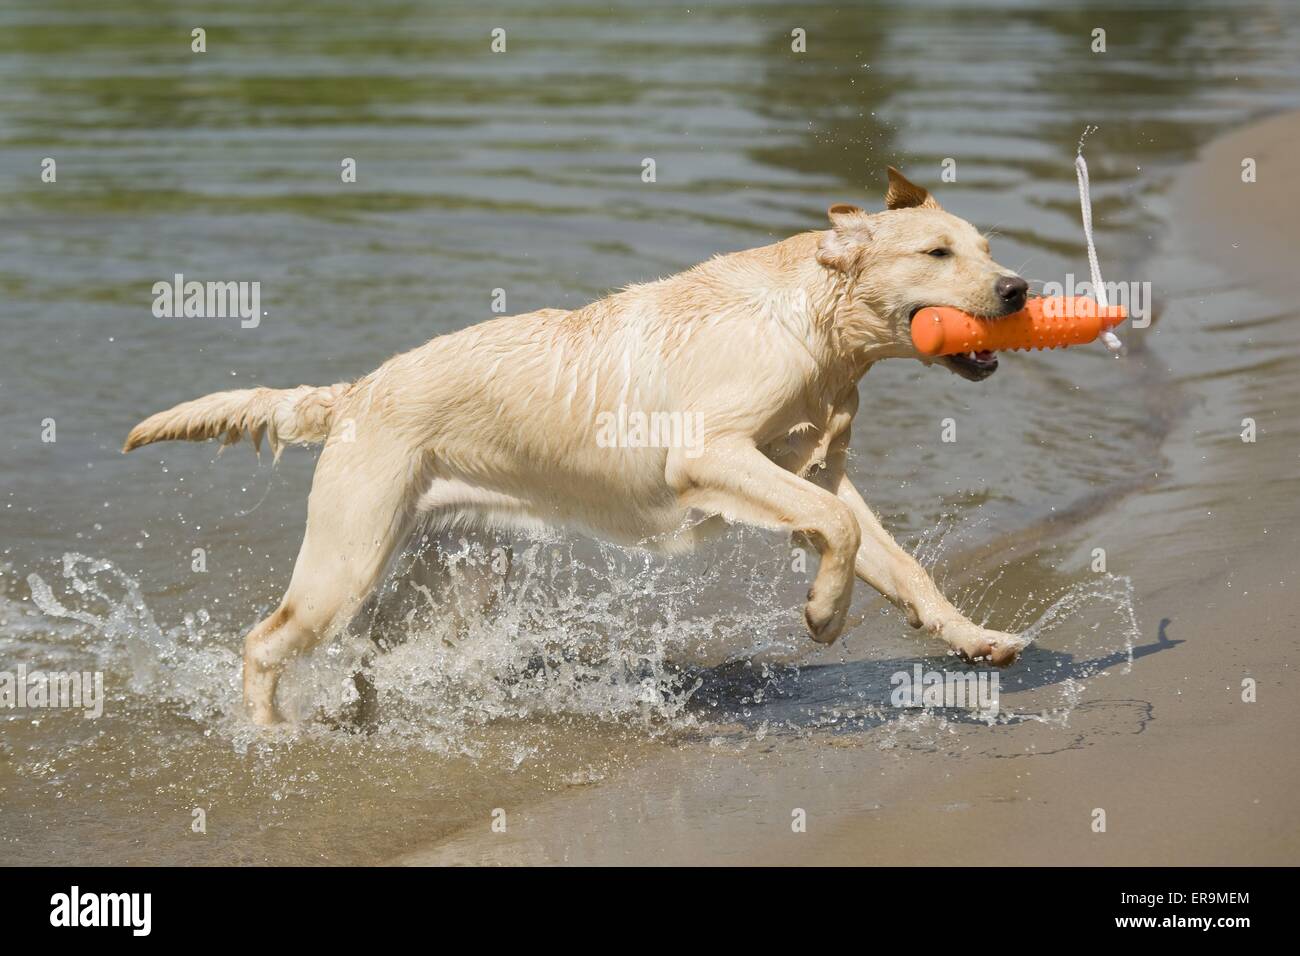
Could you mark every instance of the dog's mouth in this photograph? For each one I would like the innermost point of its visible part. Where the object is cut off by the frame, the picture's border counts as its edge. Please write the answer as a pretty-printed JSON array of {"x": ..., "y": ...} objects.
[{"x": 973, "y": 366}]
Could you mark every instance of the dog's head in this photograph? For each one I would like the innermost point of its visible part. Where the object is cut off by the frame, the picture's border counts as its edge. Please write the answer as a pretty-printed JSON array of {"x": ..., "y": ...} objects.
[{"x": 912, "y": 255}]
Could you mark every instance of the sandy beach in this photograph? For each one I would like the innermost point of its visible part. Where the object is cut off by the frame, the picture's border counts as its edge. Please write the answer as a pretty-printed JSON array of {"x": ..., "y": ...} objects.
[{"x": 1186, "y": 771}]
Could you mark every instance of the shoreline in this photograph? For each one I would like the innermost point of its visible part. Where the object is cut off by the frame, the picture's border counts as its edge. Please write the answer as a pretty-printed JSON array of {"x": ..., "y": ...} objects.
[{"x": 1186, "y": 772}]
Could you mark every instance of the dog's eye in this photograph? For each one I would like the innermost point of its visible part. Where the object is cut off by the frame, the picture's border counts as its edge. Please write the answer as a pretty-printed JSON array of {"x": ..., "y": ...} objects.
[{"x": 939, "y": 253}]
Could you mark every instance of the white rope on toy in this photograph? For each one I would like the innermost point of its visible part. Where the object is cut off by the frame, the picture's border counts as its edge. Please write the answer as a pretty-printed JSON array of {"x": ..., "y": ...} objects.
[{"x": 1085, "y": 204}]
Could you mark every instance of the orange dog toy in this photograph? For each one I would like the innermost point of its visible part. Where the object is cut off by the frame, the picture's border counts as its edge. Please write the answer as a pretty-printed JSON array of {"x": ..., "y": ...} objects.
[{"x": 1046, "y": 323}]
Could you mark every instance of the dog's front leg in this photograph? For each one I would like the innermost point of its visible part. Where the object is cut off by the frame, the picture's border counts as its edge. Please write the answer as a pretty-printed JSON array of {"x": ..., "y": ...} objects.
[
  {"x": 883, "y": 564},
  {"x": 736, "y": 480}
]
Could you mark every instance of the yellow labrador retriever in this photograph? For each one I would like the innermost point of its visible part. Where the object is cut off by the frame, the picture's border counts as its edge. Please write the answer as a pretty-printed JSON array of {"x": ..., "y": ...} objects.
[{"x": 498, "y": 424}]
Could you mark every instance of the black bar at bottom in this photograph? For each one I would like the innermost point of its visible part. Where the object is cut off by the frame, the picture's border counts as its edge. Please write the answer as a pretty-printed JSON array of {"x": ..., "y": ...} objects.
[{"x": 331, "y": 905}]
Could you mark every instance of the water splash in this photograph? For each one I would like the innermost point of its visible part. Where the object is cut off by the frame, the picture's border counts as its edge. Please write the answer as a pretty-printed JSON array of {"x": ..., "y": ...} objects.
[
  {"x": 582, "y": 632},
  {"x": 180, "y": 664},
  {"x": 609, "y": 636}
]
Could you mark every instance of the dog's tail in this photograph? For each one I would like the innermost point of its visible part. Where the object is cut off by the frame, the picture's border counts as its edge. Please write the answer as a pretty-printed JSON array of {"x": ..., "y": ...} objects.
[{"x": 286, "y": 416}]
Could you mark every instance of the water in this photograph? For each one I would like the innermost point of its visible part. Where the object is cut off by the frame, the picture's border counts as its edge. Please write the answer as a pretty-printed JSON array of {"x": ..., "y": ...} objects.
[{"x": 522, "y": 172}]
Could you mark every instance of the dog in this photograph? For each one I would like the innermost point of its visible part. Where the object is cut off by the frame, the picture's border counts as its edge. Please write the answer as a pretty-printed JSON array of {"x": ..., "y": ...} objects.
[{"x": 495, "y": 425}]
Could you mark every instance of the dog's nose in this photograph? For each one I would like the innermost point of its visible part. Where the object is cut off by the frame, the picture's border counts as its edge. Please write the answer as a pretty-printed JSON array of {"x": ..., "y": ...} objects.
[{"x": 1011, "y": 290}]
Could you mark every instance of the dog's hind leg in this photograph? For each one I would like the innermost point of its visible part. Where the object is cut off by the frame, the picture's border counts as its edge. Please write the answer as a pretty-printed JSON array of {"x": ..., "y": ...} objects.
[{"x": 360, "y": 509}]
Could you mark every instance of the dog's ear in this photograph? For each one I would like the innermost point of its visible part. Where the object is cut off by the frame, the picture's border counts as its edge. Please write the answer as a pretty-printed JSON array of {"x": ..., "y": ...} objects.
[
  {"x": 905, "y": 194},
  {"x": 839, "y": 213},
  {"x": 841, "y": 246}
]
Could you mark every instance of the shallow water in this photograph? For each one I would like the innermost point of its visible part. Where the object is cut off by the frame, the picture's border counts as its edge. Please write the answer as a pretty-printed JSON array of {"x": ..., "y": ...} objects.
[{"x": 522, "y": 172}]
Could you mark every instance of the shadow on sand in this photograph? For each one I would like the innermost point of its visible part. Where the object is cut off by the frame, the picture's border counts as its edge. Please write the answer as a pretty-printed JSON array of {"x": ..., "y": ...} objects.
[{"x": 854, "y": 696}]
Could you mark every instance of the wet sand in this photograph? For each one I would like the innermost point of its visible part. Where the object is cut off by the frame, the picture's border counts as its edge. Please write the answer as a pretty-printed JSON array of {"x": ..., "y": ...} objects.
[{"x": 1186, "y": 772}]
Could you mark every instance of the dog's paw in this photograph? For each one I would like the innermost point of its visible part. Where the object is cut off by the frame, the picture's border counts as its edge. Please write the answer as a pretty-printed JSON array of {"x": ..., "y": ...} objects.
[
  {"x": 825, "y": 618},
  {"x": 980, "y": 645}
]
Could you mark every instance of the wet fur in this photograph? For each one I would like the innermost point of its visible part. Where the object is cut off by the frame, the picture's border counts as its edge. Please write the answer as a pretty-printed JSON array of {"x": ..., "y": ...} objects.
[{"x": 495, "y": 425}]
